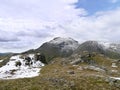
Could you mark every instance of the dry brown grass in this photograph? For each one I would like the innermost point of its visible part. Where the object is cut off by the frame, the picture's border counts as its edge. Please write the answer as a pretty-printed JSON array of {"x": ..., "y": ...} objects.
[{"x": 57, "y": 76}]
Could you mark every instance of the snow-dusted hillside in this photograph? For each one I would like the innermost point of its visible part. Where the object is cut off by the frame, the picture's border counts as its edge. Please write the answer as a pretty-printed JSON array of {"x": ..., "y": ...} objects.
[
  {"x": 65, "y": 43},
  {"x": 106, "y": 45},
  {"x": 110, "y": 46},
  {"x": 13, "y": 71},
  {"x": 58, "y": 47}
]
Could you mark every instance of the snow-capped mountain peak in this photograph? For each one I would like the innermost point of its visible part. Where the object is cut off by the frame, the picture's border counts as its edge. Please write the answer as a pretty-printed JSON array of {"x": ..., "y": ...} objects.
[
  {"x": 59, "y": 40},
  {"x": 65, "y": 43}
]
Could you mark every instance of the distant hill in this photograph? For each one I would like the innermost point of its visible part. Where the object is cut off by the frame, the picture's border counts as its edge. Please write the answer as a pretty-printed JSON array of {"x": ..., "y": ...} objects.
[
  {"x": 106, "y": 49},
  {"x": 4, "y": 54}
]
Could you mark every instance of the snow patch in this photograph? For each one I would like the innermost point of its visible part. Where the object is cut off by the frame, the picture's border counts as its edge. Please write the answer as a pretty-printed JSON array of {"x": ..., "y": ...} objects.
[
  {"x": 117, "y": 78},
  {"x": 1, "y": 61},
  {"x": 11, "y": 71}
]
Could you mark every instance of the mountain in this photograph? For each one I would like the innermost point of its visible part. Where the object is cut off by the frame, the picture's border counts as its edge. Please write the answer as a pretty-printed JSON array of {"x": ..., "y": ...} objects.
[
  {"x": 4, "y": 54},
  {"x": 64, "y": 47},
  {"x": 115, "y": 47},
  {"x": 108, "y": 49},
  {"x": 91, "y": 46},
  {"x": 58, "y": 47},
  {"x": 29, "y": 51},
  {"x": 71, "y": 66},
  {"x": 17, "y": 66}
]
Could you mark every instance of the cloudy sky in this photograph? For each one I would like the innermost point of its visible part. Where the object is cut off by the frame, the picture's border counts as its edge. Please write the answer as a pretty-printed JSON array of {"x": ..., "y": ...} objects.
[{"x": 26, "y": 24}]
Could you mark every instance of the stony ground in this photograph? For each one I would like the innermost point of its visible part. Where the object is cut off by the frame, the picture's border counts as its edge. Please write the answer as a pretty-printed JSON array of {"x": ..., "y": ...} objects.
[{"x": 63, "y": 76}]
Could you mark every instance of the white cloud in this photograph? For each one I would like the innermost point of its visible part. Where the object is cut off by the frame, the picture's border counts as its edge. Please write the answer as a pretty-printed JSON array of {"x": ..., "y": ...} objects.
[
  {"x": 45, "y": 10},
  {"x": 113, "y": 1},
  {"x": 26, "y": 24},
  {"x": 101, "y": 26}
]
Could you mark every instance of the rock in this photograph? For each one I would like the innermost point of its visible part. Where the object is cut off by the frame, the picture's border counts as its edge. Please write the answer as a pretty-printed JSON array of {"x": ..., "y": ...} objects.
[
  {"x": 77, "y": 61},
  {"x": 70, "y": 72},
  {"x": 114, "y": 65},
  {"x": 72, "y": 84},
  {"x": 80, "y": 68},
  {"x": 95, "y": 68},
  {"x": 114, "y": 71},
  {"x": 113, "y": 82}
]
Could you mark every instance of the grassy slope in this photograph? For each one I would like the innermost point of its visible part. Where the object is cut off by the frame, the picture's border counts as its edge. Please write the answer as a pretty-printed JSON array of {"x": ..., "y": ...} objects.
[
  {"x": 5, "y": 59},
  {"x": 57, "y": 76}
]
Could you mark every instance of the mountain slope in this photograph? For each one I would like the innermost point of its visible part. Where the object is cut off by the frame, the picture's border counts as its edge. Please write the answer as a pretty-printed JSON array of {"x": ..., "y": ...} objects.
[
  {"x": 106, "y": 49},
  {"x": 64, "y": 47},
  {"x": 58, "y": 47},
  {"x": 91, "y": 46}
]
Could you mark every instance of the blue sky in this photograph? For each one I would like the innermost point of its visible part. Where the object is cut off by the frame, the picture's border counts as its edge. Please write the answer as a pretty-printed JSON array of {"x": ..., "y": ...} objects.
[
  {"x": 93, "y": 6},
  {"x": 26, "y": 24}
]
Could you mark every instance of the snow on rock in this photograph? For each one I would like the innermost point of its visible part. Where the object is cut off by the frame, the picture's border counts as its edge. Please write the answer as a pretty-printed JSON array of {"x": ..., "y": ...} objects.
[
  {"x": 66, "y": 43},
  {"x": 117, "y": 78},
  {"x": 59, "y": 40},
  {"x": 105, "y": 44},
  {"x": 1, "y": 61},
  {"x": 11, "y": 71},
  {"x": 108, "y": 45},
  {"x": 114, "y": 65}
]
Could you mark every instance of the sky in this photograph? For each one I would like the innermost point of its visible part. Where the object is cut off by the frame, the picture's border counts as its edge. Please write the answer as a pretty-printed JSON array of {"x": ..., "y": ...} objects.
[{"x": 26, "y": 24}]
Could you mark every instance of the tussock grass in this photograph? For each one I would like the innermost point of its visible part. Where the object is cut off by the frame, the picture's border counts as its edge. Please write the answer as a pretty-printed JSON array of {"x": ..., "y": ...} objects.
[{"x": 56, "y": 76}]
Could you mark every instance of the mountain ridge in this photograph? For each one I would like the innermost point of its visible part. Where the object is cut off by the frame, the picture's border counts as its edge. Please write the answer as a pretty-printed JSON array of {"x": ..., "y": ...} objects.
[
  {"x": 66, "y": 68},
  {"x": 65, "y": 47}
]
